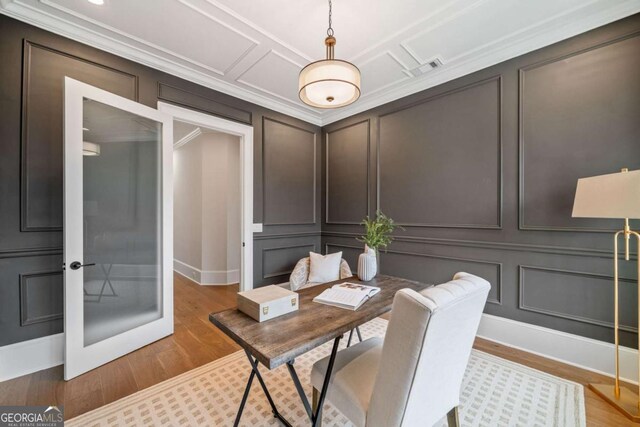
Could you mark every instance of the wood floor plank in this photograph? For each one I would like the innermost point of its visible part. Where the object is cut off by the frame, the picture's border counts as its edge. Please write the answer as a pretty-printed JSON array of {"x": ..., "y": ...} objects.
[
  {"x": 15, "y": 391},
  {"x": 117, "y": 380},
  {"x": 82, "y": 394},
  {"x": 175, "y": 361},
  {"x": 46, "y": 388},
  {"x": 147, "y": 369}
]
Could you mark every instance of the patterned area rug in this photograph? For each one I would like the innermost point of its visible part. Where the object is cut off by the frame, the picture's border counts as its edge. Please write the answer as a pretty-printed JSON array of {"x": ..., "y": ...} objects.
[{"x": 495, "y": 392}]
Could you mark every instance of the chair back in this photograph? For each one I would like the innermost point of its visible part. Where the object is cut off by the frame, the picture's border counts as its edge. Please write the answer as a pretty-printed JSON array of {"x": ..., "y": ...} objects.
[
  {"x": 299, "y": 277},
  {"x": 426, "y": 351}
]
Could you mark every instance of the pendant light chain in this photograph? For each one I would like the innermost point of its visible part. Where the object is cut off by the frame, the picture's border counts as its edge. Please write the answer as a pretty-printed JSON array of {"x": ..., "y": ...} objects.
[
  {"x": 330, "y": 29},
  {"x": 330, "y": 82}
]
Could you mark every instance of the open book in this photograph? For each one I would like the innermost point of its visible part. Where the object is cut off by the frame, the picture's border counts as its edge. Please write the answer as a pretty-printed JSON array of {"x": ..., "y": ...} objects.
[{"x": 347, "y": 295}]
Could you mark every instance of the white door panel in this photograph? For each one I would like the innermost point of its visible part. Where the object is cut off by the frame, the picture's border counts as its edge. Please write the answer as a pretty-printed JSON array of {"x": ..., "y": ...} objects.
[{"x": 118, "y": 242}]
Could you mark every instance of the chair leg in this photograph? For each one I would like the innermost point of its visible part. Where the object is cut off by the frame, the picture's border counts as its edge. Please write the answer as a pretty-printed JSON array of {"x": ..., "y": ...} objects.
[{"x": 453, "y": 420}]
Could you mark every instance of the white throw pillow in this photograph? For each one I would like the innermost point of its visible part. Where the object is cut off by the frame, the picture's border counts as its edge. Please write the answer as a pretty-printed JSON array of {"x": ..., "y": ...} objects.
[{"x": 324, "y": 268}]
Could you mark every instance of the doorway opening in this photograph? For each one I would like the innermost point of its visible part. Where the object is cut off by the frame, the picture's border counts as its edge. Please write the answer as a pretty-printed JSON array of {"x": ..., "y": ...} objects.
[
  {"x": 206, "y": 205},
  {"x": 213, "y": 198}
]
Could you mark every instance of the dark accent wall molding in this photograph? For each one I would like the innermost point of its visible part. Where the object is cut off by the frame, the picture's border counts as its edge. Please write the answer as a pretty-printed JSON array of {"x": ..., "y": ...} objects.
[
  {"x": 286, "y": 235},
  {"x": 446, "y": 177},
  {"x": 574, "y": 163},
  {"x": 521, "y": 247},
  {"x": 498, "y": 285},
  {"x": 41, "y": 184},
  {"x": 349, "y": 192},
  {"x": 547, "y": 118},
  {"x": 187, "y": 99},
  {"x": 30, "y": 252},
  {"x": 298, "y": 254},
  {"x": 38, "y": 308},
  {"x": 606, "y": 285},
  {"x": 31, "y": 168},
  {"x": 289, "y": 179}
]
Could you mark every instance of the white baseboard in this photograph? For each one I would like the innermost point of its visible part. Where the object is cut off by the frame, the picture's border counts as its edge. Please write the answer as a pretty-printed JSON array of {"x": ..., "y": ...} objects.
[
  {"x": 187, "y": 270},
  {"x": 206, "y": 278},
  {"x": 227, "y": 277},
  {"x": 31, "y": 356},
  {"x": 575, "y": 350}
]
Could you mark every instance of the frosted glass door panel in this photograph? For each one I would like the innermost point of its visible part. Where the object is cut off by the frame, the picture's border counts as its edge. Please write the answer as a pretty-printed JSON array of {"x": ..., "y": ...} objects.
[
  {"x": 122, "y": 221},
  {"x": 118, "y": 286}
]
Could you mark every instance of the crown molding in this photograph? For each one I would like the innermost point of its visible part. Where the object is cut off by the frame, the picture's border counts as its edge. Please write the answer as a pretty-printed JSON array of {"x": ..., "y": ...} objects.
[
  {"x": 187, "y": 138},
  {"x": 499, "y": 53},
  {"x": 526, "y": 40},
  {"x": 55, "y": 24}
]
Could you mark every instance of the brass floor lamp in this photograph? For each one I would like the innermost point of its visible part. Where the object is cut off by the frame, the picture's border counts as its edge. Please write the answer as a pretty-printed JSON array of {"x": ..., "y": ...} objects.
[{"x": 614, "y": 195}]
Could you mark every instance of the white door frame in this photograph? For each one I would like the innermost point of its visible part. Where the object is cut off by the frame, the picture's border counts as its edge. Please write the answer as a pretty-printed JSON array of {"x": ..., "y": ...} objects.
[
  {"x": 245, "y": 133},
  {"x": 78, "y": 358}
]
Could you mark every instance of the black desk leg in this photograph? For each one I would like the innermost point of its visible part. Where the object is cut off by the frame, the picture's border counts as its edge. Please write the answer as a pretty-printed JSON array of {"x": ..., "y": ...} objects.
[
  {"x": 314, "y": 418},
  {"x": 350, "y": 336},
  {"x": 244, "y": 398},
  {"x": 317, "y": 417},
  {"x": 255, "y": 372}
]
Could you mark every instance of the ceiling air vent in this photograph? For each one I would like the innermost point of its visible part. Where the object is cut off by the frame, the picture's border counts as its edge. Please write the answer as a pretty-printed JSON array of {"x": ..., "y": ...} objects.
[{"x": 431, "y": 65}]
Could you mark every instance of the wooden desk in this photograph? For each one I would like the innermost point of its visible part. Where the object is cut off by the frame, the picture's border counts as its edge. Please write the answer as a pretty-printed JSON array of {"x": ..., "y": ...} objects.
[{"x": 279, "y": 341}]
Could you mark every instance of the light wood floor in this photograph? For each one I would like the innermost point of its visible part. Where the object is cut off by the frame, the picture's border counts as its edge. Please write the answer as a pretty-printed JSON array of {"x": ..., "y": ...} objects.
[{"x": 197, "y": 342}]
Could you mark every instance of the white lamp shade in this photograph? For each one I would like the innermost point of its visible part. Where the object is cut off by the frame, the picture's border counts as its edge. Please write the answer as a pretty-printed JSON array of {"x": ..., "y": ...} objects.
[
  {"x": 615, "y": 195},
  {"x": 329, "y": 83},
  {"x": 90, "y": 148}
]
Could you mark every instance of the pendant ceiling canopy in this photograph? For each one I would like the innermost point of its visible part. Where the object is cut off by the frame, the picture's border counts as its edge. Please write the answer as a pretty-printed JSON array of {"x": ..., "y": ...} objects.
[{"x": 329, "y": 83}]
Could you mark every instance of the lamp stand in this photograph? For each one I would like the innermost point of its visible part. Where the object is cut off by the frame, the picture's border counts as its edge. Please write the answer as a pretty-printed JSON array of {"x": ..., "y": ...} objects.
[{"x": 625, "y": 400}]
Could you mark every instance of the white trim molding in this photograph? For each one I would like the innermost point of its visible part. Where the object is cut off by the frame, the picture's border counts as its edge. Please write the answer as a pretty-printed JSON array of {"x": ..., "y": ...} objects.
[
  {"x": 566, "y": 23},
  {"x": 31, "y": 356},
  {"x": 81, "y": 29},
  {"x": 574, "y": 350},
  {"x": 204, "y": 277},
  {"x": 245, "y": 134},
  {"x": 187, "y": 138}
]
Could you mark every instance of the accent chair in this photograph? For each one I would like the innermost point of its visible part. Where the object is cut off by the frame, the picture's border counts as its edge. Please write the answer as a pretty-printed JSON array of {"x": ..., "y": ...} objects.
[{"x": 412, "y": 377}]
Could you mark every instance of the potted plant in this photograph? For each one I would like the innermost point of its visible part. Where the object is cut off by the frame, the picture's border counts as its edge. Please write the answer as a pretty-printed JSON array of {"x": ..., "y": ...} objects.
[{"x": 377, "y": 235}]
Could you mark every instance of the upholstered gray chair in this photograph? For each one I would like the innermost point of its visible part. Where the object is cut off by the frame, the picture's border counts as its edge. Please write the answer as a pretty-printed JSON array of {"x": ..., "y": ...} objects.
[{"x": 412, "y": 377}]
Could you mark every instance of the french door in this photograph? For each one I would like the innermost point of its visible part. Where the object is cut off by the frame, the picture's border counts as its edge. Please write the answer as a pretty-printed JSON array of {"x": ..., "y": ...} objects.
[{"x": 118, "y": 242}]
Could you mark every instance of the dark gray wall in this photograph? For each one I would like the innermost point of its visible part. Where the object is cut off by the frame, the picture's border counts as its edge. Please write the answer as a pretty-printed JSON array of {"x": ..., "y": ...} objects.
[
  {"x": 287, "y": 155},
  {"x": 481, "y": 171}
]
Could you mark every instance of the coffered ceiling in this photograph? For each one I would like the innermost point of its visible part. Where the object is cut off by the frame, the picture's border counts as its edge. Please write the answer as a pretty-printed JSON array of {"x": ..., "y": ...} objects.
[{"x": 254, "y": 49}]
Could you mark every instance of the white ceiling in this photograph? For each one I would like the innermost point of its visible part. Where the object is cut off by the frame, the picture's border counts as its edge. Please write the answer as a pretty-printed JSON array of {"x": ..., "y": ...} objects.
[{"x": 254, "y": 49}]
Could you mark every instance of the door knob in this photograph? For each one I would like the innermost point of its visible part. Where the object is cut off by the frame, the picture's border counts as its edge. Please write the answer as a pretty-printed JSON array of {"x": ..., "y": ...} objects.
[{"x": 75, "y": 265}]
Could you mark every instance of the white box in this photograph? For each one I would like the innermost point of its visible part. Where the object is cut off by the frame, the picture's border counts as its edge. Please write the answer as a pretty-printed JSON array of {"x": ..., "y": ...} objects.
[{"x": 267, "y": 302}]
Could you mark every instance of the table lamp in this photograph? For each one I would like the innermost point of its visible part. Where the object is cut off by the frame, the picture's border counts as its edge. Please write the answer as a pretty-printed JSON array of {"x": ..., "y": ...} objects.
[{"x": 617, "y": 196}]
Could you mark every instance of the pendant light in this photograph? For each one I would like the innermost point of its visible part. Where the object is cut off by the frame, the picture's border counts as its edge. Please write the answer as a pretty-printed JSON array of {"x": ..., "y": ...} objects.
[
  {"x": 329, "y": 83},
  {"x": 90, "y": 148}
]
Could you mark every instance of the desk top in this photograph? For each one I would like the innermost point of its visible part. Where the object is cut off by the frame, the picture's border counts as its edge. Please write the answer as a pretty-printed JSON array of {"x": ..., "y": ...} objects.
[{"x": 277, "y": 341}]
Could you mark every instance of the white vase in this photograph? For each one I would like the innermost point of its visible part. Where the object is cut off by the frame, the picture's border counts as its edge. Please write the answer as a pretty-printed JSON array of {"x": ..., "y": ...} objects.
[{"x": 367, "y": 264}]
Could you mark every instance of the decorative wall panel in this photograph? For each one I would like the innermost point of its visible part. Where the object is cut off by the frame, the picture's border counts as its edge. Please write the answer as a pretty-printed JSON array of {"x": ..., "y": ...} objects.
[
  {"x": 347, "y": 174},
  {"x": 440, "y": 160}
]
